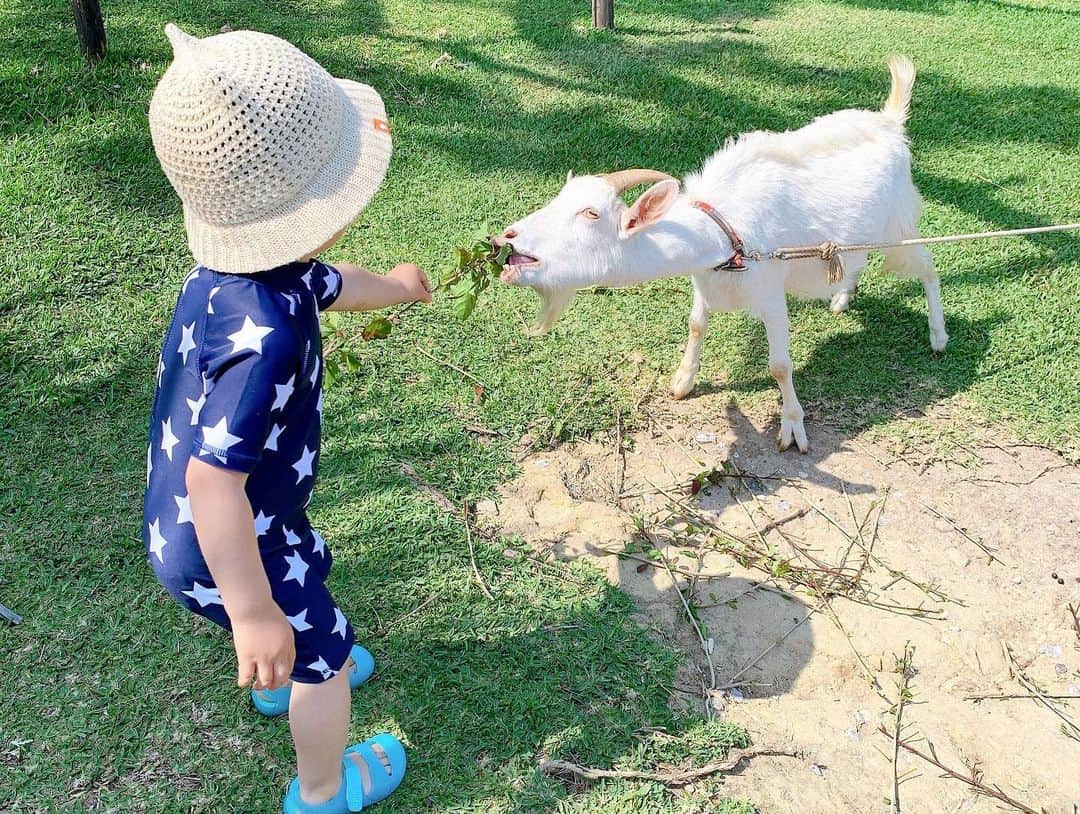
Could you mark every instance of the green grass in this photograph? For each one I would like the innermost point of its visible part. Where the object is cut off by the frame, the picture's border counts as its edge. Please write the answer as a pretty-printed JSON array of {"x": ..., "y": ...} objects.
[{"x": 116, "y": 700}]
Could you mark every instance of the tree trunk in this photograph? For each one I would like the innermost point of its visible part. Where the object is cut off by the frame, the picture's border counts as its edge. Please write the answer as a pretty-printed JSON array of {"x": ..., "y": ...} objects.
[
  {"x": 603, "y": 13},
  {"x": 90, "y": 28}
]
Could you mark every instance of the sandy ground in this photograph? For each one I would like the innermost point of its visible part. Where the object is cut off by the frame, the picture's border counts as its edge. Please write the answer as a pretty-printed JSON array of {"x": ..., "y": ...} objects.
[{"x": 810, "y": 690}]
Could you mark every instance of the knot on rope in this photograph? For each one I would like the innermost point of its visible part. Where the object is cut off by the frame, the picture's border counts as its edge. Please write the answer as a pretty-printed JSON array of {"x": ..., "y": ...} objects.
[{"x": 830, "y": 253}]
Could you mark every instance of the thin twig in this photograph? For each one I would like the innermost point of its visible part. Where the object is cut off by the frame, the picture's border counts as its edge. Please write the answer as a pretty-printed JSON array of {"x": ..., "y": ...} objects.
[
  {"x": 734, "y": 679},
  {"x": 1070, "y": 728},
  {"x": 965, "y": 535},
  {"x": 903, "y": 694},
  {"x": 974, "y": 780},
  {"x": 672, "y": 779},
  {"x": 435, "y": 494},
  {"x": 1017, "y": 696},
  {"x": 774, "y": 524},
  {"x": 706, "y": 646},
  {"x": 1029, "y": 481},
  {"x": 620, "y": 477},
  {"x": 451, "y": 365},
  {"x": 382, "y": 631},
  {"x": 622, "y": 555},
  {"x": 1075, "y": 611},
  {"x": 472, "y": 553}
]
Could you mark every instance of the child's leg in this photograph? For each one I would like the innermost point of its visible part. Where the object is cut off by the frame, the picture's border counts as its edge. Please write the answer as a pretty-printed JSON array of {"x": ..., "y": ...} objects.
[{"x": 319, "y": 720}]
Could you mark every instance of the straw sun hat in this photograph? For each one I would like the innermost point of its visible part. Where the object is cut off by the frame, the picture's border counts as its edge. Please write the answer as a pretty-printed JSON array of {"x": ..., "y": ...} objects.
[{"x": 270, "y": 155}]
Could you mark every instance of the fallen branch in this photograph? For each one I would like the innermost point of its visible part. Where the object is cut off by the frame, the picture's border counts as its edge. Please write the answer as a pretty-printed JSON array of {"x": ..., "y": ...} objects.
[
  {"x": 1070, "y": 729},
  {"x": 1002, "y": 696},
  {"x": 436, "y": 495},
  {"x": 903, "y": 696},
  {"x": 672, "y": 779},
  {"x": 419, "y": 348},
  {"x": 974, "y": 780},
  {"x": 1028, "y": 482},
  {"x": 472, "y": 554},
  {"x": 981, "y": 545}
]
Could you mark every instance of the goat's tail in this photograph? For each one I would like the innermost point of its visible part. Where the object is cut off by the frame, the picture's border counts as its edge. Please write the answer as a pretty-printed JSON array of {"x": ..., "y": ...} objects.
[{"x": 903, "y": 78}]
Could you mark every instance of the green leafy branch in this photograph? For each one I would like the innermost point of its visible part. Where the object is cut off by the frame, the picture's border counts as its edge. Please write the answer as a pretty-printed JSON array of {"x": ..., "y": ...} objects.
[{"x": 473, "y": 272}]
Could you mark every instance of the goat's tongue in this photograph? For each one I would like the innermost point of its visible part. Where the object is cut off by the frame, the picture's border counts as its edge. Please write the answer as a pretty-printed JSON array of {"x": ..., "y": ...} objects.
[{"x": 519, "y": 259}]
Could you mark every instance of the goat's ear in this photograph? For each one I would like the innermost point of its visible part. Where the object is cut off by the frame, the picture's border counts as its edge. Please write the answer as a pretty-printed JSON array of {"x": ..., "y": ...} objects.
[{"x": 650, "y": 207}]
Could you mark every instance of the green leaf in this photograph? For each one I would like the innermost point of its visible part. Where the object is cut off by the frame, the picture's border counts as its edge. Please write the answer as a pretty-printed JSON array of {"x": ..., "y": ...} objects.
[
  {"x": 378, "y": 328},
  {"x": 462, "y": 257},
  {"x": 481, "y": 249},
  {"x": 464, "y": 305},
  {"x": 503, "y": 254}
]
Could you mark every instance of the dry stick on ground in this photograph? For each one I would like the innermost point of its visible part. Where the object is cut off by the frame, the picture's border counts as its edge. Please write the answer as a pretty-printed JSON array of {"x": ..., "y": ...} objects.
[
  {"x": 673, "y": 779},
  {"x": 383, "y": 630},
  {"x": 472, "y": 552},
  {"x": 974, "y": 780},
  {"x": 1045, "y": 470},
  {"x": 1070, "y": 729},
  {"x": 450, "y": 365},
  {"x": 1075, "y": 611},
  {"x": 622, "y": 555},
  {"x": 1017, "y": 696},
  {"x": 734, "y": 680},
  {"x": 903, "y": 694},
  {"x": 981, "y": 545},
  {"x": 706, "y": 645},
  {"x": 620, "y": 477}
]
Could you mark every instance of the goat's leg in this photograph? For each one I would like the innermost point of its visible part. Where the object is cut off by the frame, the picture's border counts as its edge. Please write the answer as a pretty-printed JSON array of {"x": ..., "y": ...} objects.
[
  {"x": 791, "y": 412},
  {"x": 682, "y": 381},
  {"x": 916, "y": 261}
]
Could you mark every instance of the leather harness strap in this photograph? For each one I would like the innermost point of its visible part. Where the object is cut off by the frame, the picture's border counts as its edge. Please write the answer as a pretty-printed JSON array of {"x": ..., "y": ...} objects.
[{"x": 735, "y": 262}]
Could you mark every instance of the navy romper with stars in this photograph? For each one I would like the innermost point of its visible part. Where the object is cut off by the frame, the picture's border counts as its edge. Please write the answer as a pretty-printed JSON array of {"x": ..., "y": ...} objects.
[{"x": 240, "y": 387}]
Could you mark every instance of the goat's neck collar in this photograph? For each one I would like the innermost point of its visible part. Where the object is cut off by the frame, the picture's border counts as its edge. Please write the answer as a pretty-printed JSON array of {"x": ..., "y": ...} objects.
[{"x": 736, "y": 261}]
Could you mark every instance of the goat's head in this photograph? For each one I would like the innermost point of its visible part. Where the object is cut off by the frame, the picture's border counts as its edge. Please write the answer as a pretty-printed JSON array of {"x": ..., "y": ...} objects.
[{"x": 580, "y": 238}]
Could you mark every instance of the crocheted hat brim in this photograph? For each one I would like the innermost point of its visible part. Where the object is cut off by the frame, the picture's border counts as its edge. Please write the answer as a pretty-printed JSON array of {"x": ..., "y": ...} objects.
[{"x": 333, "y": 199}]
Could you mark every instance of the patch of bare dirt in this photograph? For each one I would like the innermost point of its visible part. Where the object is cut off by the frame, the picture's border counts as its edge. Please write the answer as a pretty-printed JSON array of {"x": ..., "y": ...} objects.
[{"x": 925, "y": 524}]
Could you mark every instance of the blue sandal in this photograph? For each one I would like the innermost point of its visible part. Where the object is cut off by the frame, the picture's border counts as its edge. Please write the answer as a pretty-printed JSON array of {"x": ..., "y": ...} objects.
[
  {"x": 276, "y": 702},
  {"x": 365, "y": 781}
]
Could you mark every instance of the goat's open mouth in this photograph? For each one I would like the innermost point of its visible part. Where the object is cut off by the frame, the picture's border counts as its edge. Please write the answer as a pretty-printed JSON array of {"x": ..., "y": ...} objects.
[{"x": 514, "y": 264}]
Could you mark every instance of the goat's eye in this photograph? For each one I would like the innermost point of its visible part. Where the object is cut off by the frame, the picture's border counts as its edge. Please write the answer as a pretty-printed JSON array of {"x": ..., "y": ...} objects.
[{"x": 591, "y": 213}]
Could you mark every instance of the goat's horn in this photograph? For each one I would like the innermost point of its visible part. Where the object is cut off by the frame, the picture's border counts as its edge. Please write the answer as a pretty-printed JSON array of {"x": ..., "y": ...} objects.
[{"x": 624, "y": 179}]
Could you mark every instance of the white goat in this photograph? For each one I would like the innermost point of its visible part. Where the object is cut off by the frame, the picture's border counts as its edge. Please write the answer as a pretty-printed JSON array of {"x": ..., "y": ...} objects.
[{"x": 844, "y": 177}]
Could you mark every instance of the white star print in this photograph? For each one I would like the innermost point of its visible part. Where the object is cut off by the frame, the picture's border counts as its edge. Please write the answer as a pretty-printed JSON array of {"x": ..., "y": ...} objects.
[
  {"x": 315, "y": 372},
  {"x": 191, "y": 276},
  {"x": 272, "y": 438},
  {"x": 187, "y": 341},
  {"x": 149, "y": 462},
  {"x": 263, "y": 523},
  {"x": 183, "y": 510},
  {"x": 307, "y": 278},
  {"x": 220, "y": 439},
  {"x": 303, "y": 466},
  {"x": 210, "y": 299},
  {"x": 168, "y": 440},
  {"x": 203, "y": 595},
  {"x": 318, "y": 407},
  {"x": 331, "y": 284},
  {"x": 196, "y": 407},
  {"x": 297, "y": 568},
  {"x": 339, "y": 623},
  {"x": 299, "y": 622},
  {"x": 160, "y": 368},
  {"x": 291, "y": 537},
  {"x": 320, "y": 544},
  {"x": 157, "y": 540},
  {"x": 249, "y": 336},
  {"x": 284, "y": 391},
  {"x": 291, "y": 298},
  {"x": 320, "y": 666}
]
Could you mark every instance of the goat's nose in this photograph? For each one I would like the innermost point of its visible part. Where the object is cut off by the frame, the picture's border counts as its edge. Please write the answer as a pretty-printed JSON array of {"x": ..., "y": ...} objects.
[{"x": 498, "y": 240}]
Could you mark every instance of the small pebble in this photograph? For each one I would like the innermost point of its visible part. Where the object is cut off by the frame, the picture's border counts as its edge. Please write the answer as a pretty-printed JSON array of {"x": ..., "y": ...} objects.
[
  {"x": 818, "y": 770},
  {"x": 1061, "y": 669}
]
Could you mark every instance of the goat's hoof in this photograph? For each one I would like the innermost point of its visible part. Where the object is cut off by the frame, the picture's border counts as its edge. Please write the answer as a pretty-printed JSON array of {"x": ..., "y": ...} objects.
[
  {"x": 938, "y": 341},
  {"x": 681, "y": 386},
  {"x": 792, "y": 432}
]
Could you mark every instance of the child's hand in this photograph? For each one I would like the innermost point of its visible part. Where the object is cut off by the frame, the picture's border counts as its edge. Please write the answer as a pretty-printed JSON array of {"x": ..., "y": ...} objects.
[
  {"x": 413, "y": 281},
  {"x": 265, "y": 649}
]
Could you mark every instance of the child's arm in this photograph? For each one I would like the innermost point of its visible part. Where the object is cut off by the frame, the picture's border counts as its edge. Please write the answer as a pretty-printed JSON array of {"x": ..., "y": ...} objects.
[
  {"x": 225, "y": 528},
  {"x": 363, "y": 291}
]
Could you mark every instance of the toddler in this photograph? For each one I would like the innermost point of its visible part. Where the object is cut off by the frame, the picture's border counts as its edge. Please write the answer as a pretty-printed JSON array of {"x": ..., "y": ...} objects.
[{"x": 273, "y": 159}]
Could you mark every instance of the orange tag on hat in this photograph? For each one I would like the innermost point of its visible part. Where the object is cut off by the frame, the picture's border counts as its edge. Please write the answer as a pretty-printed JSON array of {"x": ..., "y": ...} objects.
[{"x": 381, "y": 124}]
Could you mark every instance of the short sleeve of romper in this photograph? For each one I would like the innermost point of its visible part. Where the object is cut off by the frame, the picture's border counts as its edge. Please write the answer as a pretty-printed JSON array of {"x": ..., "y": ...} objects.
[{"x": 248, "y": 361}]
